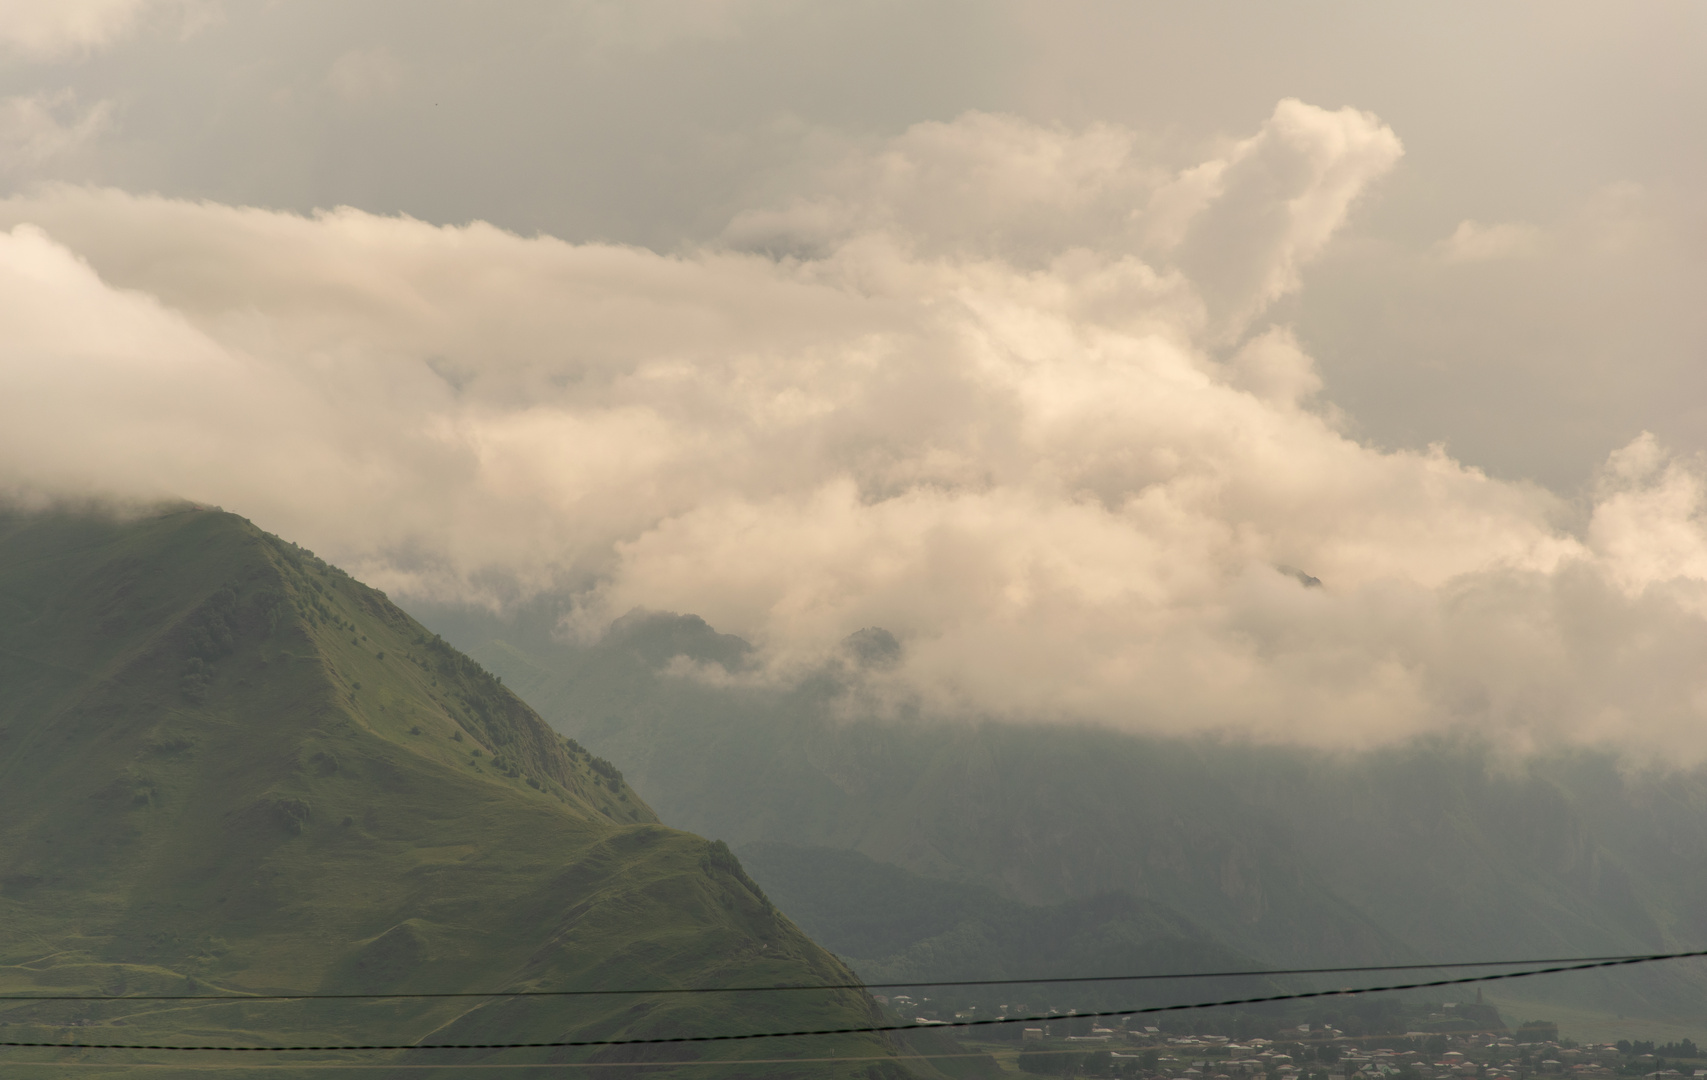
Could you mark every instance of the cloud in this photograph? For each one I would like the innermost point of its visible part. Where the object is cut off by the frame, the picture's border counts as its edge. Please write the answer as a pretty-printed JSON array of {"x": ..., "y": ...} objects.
[
  {"x": 35, "y": 128},
  {"x": 50, "y": 29},
  {"x": 1239, "y": 225},
  {"x": 986, "y": 402},
  {"x": 1474, "y": 242},
  {"x": 1270, "y": 204},
  {"x": 985, "y": 183}
]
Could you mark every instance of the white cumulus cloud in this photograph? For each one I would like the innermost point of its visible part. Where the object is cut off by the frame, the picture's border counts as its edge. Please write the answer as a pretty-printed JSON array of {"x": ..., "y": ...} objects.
[{"x": 1002, "y": 389}]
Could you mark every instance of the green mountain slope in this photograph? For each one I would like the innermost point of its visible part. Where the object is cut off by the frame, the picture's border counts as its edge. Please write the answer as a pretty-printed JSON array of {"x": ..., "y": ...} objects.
[
  {"x": 225, "y": 764},
  {"x": 1431, "y": 851}
]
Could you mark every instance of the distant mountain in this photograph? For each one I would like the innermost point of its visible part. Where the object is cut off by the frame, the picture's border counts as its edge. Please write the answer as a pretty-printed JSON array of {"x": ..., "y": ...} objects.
[
  {"x": 897, "y": 926},
  {"x": 1431, "y": 851},
  {"x": 227, "y": 766}
]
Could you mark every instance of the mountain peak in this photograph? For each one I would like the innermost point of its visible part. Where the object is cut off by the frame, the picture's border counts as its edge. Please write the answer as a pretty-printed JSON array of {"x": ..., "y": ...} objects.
[{"x": 226, "y": 763}]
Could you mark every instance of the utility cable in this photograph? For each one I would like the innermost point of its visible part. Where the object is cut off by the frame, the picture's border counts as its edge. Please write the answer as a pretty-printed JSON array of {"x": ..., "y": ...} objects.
[
  {"x": 643, "y": 1064},
  {"x": 884, "y": 1028},
  {"x": 792, "y": 987}
]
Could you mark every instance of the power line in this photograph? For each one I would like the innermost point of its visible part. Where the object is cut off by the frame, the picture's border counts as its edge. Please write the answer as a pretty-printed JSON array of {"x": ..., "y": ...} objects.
[
  {"x": 792, "y": 987},
  {"x": 646, "y": 1064},
  {"x": 884, "y": 1028}
]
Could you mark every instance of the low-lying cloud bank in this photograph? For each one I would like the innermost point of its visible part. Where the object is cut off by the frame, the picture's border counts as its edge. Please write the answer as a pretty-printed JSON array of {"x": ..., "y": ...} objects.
[{"x": 1006, "y": 391}]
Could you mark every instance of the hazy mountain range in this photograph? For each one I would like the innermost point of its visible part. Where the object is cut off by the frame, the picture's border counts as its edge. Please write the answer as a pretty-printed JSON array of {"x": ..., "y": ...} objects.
[{"x": 1436, "y": 850}]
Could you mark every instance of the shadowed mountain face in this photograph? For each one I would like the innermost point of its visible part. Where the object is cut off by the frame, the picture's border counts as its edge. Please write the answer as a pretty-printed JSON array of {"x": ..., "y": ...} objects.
[
  {"x": 225, "y": 765},
  {"x": 1431, "y": 851}
]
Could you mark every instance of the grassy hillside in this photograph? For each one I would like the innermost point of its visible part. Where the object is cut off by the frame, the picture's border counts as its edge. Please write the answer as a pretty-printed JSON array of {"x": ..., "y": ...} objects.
[
  {"x": 225, "y": 764},
  {"x": 1428, "y": 851}
]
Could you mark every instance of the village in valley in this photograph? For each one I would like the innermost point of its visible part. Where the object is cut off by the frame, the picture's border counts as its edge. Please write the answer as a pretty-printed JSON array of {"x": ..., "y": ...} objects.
[{"x": 1476, "y": 1045}]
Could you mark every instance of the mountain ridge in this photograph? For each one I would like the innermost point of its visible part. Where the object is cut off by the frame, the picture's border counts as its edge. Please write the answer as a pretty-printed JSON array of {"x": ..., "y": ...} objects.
[{"x": 225, "y": 763}]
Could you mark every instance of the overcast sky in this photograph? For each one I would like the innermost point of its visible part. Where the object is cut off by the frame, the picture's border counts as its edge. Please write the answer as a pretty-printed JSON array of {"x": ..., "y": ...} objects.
[{"x": 1040, "y": 334}]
